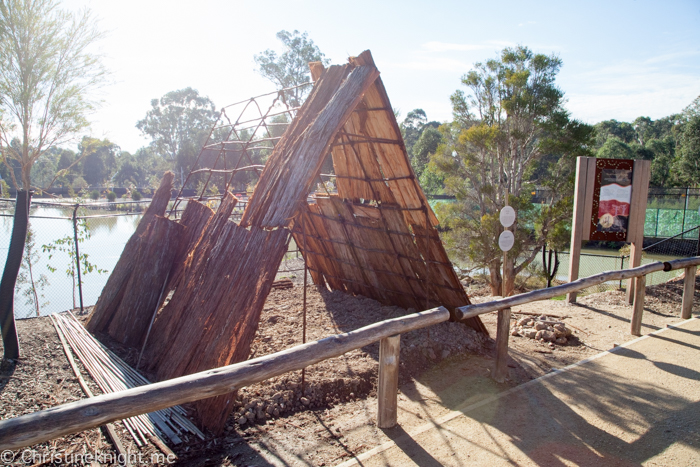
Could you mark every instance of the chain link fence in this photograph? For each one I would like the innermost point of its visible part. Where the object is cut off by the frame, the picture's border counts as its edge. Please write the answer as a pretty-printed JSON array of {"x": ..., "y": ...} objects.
[
  {"x": 70, "y": 250},
  {"x": 595, "y": 261},
  {"x": 48, "y": 278}
]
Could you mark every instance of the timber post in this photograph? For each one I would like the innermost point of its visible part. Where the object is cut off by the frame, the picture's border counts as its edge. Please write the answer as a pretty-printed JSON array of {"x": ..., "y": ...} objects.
[
  {"x": 688, "y": 292},
  {"x": 388, "y": 383},
  {"x": 77, "y": 257},
  {"x": 9, "y": 275},
  {"x": 638, "y": 306},
  {"x": 501, "y": 366}
]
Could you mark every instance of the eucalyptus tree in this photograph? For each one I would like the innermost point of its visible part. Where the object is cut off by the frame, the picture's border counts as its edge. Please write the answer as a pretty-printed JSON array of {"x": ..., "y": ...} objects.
[
  {"x": 47, "y": 74},
  {"x": 510, "y": 135},
  {"x": 291, "y": 67},
  {"x": 178, "y": 124}
]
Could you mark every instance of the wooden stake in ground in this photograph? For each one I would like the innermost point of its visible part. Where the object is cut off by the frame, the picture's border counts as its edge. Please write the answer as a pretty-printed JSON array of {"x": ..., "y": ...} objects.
[{"x": 388, "y": 381}]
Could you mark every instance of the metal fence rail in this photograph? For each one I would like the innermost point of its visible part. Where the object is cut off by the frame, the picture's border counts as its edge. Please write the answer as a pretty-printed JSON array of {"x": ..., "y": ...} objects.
[{"x": 54, "y": 277}]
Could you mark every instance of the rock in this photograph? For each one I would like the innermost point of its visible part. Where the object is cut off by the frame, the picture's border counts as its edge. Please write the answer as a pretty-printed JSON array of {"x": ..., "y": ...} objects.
[
  {"x": 431, "y": 354},
  {"x": 560, "y": 341},
  {"x": 548, "y": 336},
  {"x": 242, "y": 420},
  {"x": 540, "y": 326},
  {"x": 538, "y": 336},
  {"x": 250, "y": 415},
  {"x": 305, "y": 401},
  {"x": 523, "y": 321},
  {"x": 530, "y": 333},
  {"x": 514, "y": 332},
  {"x": 445, "y": 353}
]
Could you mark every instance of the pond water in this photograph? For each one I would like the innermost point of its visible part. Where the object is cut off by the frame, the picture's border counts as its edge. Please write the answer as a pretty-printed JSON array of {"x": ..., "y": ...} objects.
[{"x": 107, "y": 237}]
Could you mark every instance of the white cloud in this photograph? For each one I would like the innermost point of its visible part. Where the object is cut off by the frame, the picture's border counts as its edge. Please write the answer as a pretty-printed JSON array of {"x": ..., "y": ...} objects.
[{"x": 656, "y": 87}]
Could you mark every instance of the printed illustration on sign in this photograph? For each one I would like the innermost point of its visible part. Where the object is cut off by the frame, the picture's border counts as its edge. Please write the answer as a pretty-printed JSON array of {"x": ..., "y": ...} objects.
[{"x": 614, "y": 201}]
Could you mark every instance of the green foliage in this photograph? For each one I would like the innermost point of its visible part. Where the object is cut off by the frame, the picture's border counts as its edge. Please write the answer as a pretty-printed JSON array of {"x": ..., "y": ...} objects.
[
  {"x": 31, "y": 288},
  {"x": 111, "y": 196},
  {"x": 178, "y": 124},
  {"x": 689, "y": 150},
  {"x": 99, "y": 159},
  {"x": 67, "y": 245},
  {"x": 46, "y": 75},
  {"x": 4, "y": 189},
  {"x": 94, "y": 195},
  {"x": 136, "y": 195},
  {"x": 422, "y": 139},
  {"x": 668, "y": 142},
  {"x": 291, "y": 67},
  {"x": 510, "y": 134}
]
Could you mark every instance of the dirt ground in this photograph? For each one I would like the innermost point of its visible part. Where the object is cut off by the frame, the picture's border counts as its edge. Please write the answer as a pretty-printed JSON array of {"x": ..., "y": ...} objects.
[{"x": 332, "y": 417}]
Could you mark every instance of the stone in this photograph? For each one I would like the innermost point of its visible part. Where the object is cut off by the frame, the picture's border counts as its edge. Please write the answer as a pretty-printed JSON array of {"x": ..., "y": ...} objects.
[
  {"x": 242, "y": 420},
  {"x": 540, "y": 326},
  {"x": 548, "y": 336},
  {"x": 305, "y": 401},
  {"x": 530, "y": 333},
  {"x": 514, "y": 332},
  {"x": 560, "y": 341},
  {"x": 523, "y": 321}
]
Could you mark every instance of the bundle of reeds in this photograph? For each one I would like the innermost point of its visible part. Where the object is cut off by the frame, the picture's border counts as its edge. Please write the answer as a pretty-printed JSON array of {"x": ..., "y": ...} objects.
[{"x": 112, "y": 374}]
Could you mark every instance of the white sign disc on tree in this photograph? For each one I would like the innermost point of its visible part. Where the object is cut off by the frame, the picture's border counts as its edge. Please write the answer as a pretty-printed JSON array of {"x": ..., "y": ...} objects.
[
  {"x": 507, "y": 216},
  {"x": 506, "y": 240}
]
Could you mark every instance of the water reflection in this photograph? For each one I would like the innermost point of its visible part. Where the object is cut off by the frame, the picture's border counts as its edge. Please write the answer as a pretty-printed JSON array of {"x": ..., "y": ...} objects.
[{"x": 107, "y": 237}]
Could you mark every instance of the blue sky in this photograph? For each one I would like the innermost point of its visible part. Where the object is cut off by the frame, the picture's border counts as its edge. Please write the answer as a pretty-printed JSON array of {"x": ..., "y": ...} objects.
[{"x": 621, "y": 59}]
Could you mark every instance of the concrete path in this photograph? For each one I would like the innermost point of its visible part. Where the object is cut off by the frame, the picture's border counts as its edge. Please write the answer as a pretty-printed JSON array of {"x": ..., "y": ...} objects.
[{"x": 636, "y": 405}]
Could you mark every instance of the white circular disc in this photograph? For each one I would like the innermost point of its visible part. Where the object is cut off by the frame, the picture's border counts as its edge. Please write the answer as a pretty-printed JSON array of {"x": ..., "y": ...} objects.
[
  {"x": 507, "y": 216},
  {"x": 506, "y": 240}
]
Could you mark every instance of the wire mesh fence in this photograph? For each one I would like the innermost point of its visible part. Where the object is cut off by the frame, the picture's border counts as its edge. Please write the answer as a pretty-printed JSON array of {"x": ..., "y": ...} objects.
[
  {"x": 48, "y": 278},
  {"x": 595, "y": 261}
]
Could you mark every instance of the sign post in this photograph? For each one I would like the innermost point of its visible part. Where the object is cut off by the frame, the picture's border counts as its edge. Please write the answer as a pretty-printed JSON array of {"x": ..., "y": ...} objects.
[
  {"x": 505, "y": 242},
  {"x": 609, "y": 205}
]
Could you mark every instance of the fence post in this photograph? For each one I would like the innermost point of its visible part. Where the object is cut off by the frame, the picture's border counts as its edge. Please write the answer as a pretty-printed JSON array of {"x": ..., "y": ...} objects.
[
  {"x": 656, "y": 227},
  {"x": 688, "y": 292},
  {"x": 501, "y": 365},
  {"x": 638, "y": 307},
  {"x": 77, "y": 255},
  {"x": 388, "y": 381}
]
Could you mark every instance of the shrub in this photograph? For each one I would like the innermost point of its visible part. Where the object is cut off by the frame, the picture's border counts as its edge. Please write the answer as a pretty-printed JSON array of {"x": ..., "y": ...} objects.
[
  {"x": 94, "y": 194},
  {"x": 135, "y": 195},
  {"x": 111, "y": 196}
]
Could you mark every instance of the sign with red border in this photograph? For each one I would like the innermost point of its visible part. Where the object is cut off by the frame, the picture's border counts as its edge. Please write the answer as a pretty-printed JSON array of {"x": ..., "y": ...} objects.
[{"x": 612, "y": 197}]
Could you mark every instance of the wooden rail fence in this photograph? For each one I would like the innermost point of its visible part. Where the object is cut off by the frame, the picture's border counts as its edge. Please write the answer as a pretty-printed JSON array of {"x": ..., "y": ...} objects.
[
  {"x": 73, "y": 417},
  {"x": 638, "y": 273}
]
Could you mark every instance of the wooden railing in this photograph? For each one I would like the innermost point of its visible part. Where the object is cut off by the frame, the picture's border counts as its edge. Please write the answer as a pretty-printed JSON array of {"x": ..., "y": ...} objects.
[
  {"x": 639, "y": 273},
  {"x": 73, "y": 417},
  {"x": 77, "y": 416}
]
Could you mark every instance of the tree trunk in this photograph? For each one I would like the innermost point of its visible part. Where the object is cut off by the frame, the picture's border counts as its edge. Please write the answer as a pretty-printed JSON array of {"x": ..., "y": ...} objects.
[
  {"x": 495, "y": 278},
  {"x": 9, "y": 275}
]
